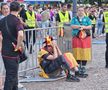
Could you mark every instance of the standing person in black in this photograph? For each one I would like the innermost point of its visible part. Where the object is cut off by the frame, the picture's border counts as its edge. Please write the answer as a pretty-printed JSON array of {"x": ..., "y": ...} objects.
[
  {"x": 22, "y": 11},
  {"x": 10, "y": 53}
]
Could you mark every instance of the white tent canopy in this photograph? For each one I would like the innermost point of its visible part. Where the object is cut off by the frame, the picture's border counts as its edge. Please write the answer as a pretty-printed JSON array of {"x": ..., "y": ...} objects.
[{"x": 42, "y": 0}]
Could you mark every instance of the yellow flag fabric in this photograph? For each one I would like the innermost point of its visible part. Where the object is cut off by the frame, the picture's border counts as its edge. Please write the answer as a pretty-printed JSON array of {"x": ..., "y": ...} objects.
[
  {"x": 106, "y": 20},
  {"x": 41, "y": 53},
  {"x": 70, "y": 60}
]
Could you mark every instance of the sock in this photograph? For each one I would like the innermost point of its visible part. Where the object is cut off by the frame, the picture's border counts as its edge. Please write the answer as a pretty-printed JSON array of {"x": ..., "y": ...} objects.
[{"x": 76, "y": 69}]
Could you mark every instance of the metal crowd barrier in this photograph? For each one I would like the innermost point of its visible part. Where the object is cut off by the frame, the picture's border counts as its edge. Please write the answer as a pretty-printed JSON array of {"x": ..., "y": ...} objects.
[{"x": 34, "y": 39}]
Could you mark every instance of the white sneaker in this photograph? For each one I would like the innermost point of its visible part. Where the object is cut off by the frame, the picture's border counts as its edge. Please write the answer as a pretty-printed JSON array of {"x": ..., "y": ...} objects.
[
  {"x": 20, "y": 85},
  {"x": 104, "y": 34},
  {"x": 101, "y": 35}
]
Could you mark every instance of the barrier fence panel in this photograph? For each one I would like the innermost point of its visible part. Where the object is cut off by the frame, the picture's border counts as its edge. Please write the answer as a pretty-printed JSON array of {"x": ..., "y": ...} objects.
[{"x": 33, "y": 41}]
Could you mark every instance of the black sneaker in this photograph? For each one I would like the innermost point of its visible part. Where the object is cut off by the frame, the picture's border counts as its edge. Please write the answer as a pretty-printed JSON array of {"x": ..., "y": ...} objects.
[
  {"x": 72, "y": 78},
  {"x": 81, "y": 75},
  {"x": 81, "y": 69},
  {"x": 106, "y": 66}
]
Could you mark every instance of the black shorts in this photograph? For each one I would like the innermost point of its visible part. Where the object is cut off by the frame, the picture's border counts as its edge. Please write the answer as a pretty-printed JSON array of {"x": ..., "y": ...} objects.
[{"x": 51, "y": 66}]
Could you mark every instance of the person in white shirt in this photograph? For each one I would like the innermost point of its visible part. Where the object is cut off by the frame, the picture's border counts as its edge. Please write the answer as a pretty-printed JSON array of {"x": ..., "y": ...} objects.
[{"x": 5, "y": 10}]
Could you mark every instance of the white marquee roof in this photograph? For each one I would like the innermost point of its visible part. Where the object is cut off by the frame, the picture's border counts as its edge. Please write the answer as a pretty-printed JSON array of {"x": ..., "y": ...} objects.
[{"x": 42, "y": 0}]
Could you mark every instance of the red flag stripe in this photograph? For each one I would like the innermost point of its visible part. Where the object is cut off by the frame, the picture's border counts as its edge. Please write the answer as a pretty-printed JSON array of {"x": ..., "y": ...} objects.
[{"x": 81, "y": 43}]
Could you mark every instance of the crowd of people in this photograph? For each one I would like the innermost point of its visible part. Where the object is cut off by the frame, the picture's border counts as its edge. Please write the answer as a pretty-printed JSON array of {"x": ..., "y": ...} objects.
[
  {"x": 52, "y": 61},
  {"x": 48, "y": 15}
]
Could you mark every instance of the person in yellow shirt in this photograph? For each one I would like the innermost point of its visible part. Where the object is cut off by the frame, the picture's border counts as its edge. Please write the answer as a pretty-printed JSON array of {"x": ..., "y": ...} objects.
[
  {"x": 105, "y": 18},
  {"x": 63, "y": 17},
  {"x": 30, "y": 23}
]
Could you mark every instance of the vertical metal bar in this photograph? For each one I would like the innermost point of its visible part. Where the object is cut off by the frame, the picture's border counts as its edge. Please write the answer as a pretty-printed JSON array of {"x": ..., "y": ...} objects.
[
  {"x": 27, "y": 62},
  {"x": 74, "y": 7}
]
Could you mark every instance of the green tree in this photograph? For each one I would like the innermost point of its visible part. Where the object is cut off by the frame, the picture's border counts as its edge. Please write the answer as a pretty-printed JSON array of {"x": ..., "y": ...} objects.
[
  {"x": 68, "y": 1},
  {"x": 85, "y": 1},
  {"x": 91, "y": 2},
  {"x": 99, "y": 2}
]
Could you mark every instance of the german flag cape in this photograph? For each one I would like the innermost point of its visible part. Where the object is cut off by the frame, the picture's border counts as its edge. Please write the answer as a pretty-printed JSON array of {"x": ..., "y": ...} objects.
[
  {"x": 70, "y": 60},
  {"x": 41, "y": 53},
  {"x": 82, "y": 48}
]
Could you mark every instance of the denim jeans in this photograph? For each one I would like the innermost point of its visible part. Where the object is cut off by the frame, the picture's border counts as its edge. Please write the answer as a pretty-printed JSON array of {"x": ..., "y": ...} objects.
[{"x": 99, "y": 27}]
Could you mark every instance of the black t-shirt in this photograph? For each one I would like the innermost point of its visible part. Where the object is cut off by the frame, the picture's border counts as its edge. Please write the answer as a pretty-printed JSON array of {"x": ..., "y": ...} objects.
[
  {"x": 45, "y": 56},
  {"x": 22, "y": 14},
  {"x": 14, "y": 26},
  {"x": 58, "y": 17}
]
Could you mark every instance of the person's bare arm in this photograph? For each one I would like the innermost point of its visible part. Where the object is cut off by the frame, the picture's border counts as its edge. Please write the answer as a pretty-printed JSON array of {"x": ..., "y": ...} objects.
[
  {"x": 87, "y": 27},
  {"x": 22, "y": 22},
  {"x": 55, "y": 54},
  {"x": 19, "y": 39},
  {"x": 58, "y": 50},
  {"x": 81, "y": 27},
  {"x": 75, "y": 26}
]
